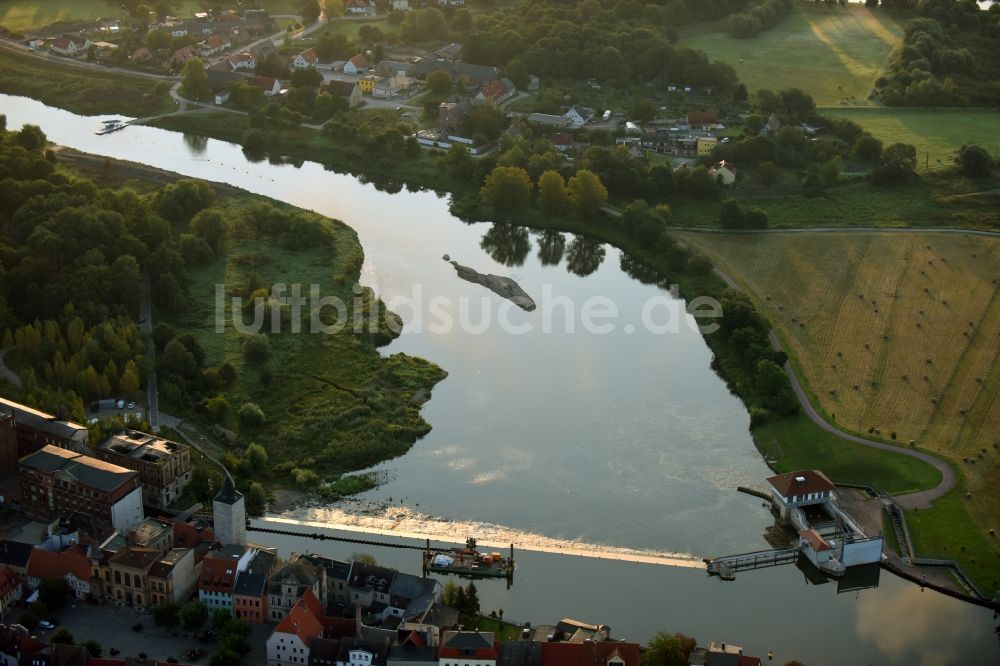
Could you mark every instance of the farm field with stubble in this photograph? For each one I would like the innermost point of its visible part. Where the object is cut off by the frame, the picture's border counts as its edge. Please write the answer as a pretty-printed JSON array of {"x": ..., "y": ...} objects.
[
  {"x": 833, "y": 53},
  {"x": 895, "y": 334}
]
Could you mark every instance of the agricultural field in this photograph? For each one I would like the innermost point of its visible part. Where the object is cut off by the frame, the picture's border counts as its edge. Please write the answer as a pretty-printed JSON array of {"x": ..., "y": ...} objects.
[
  {"x": 19, "y": 16},
  {"x": 895, "y": 334},
  {"x": 833, "y": 53},
  {"x": 937, "y": 134}
]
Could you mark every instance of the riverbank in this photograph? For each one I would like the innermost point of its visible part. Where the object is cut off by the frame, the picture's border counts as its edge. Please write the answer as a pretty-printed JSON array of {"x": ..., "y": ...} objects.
[
  {"x": 84, "y": 90},
  {"x": 341, "y": 406}
]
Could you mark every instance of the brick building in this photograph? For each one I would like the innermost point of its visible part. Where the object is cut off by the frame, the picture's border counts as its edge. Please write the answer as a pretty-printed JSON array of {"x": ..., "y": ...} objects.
[
  {"x": 163, "y": 466},
  {"x": 24, "y": 430},
  {"x": 54, "y": 480}
]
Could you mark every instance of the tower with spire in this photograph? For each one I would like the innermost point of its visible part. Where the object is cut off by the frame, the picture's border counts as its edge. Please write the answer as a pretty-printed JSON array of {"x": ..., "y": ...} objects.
[{"x": 229, "y": 515}]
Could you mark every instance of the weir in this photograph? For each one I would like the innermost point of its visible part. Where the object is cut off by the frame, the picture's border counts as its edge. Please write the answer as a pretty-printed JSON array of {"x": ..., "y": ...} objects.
[{"x": 527, "y": 543}]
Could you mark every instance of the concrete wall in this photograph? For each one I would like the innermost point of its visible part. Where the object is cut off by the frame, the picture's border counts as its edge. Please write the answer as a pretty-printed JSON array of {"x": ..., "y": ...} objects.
[
  {"x": 126, "y": 513},
  {"x": 862, "y": 552}
]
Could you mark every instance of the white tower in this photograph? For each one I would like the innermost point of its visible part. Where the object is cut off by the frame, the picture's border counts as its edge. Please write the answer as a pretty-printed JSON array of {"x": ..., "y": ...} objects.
[{"x": 229, "y": 515}]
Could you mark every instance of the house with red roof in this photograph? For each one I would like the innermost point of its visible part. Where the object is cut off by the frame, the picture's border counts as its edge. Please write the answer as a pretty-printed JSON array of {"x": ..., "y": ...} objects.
[
  {"x": 467, "y": 648},
  {"x": 71, "y": 564},
  {"x": 496, "y": 92},
  {"x": 356, "y": 65},
  {"x": 306, "y": 59},
  {"x": 270, "y": 86},
  {"x": 590, "y": 653},
  {"x": 214, "y": 44},
  {"x": 289, "y": 644},
  {"x": 219, "y": 571}
]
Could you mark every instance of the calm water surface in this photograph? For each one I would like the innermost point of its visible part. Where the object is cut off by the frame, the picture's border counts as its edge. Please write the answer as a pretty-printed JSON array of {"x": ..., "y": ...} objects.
[{"x": 626, "y": 438}]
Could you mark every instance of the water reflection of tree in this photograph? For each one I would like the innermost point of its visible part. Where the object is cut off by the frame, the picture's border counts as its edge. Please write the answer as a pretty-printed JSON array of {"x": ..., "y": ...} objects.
[
  {"x": 584, "y": 256},
  {"x": 196, "y": 144},
  {"x": 508, "y": 244},
  {"x": 641, "y": 271},
  {"x": 551, "y": 245}
]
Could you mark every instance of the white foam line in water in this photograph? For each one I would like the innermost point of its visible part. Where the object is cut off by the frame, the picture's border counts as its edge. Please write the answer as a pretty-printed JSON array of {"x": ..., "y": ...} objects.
[{"x": 406, "y": 523}]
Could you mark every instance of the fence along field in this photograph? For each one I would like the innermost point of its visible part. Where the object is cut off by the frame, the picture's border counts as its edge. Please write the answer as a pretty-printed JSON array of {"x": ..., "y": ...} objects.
[
  {"x": 833, "y": 53},
  {"x": 894, "y": 331}
]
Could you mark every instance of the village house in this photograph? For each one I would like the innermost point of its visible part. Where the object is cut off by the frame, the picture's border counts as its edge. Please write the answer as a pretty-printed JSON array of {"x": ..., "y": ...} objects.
[
  {"x": 356, "y": 65},
  {"x": 214, "y": 44},
  {"x": 706, "y": 144},
  {"x": 54, "y": 480},
  {"x": 706, "y": 121},
  {"x": 367, "y": 83},
  {"x": 348, "y": 90},
  {"x": 497, "y": 92},
  {"x": 242, "y": 61},
  {"x": 105, "y": 49},
  {"x": 724, "y": 172},
  {"x": 269, "y": 85},
  {"x": 306, "y": 59},
  {"x": 360, "y": 7},
  {"x": 563, "y": 141},
  {"x": 577, "y": 116},
  {"x": 70, "y": 45},
  {"x": 368, "y": 586},
  {"x": 72, "y": 565},
  {"x": 290, "y": 643},
  {"x": 163, "y": 465},
  {"x": 391, "y": 86}
]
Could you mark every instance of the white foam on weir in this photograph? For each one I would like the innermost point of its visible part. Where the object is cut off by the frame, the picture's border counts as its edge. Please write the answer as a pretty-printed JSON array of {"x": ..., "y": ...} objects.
[{"x": 407, "y": 523}]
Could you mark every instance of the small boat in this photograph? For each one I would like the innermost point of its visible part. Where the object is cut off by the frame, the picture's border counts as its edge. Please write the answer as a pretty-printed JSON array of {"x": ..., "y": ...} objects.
[{"x": 113, "y": 125}]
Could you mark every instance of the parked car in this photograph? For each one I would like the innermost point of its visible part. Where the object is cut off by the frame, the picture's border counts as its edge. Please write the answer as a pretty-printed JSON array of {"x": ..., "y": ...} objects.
[
  {"x": 45, "y": 624},
  {"x": 131, "y": 404}
]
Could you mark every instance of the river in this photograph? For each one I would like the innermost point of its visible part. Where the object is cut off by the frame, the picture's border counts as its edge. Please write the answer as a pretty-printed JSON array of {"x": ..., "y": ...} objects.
[{"x": 625, "y": 438}]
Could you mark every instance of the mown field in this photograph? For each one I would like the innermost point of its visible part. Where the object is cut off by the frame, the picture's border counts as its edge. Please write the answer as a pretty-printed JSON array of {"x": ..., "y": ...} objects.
[
  {"x": 896, "y": 335},
  {"x": 937, "y": 134},
  {"x": 833, "y": 53},
  {"x": 19, "y": 16},
  {"x": 88, "y": 91}
]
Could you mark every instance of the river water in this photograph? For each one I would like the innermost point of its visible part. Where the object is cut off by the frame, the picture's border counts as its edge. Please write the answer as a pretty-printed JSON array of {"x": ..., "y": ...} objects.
[{"x": 548, "y": 428}]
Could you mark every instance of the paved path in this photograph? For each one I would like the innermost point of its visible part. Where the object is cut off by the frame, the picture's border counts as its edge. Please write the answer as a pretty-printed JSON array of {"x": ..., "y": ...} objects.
[
  {"x": 146, "y": 317},
  {"x": 6, "y": 374},
  {"x": 918, "y": 500}
]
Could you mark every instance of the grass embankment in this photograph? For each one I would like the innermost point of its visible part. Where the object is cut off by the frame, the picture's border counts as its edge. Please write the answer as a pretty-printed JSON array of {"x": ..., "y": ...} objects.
[
  {"x": 931, "y": 201},
  {"x": 896, "y": 332},
  {"x": 937, "y": 134},
  {"x": 332, "y": 402},
  {"x": 83, "y": 90},
  {"x": 833, "y": 53}
]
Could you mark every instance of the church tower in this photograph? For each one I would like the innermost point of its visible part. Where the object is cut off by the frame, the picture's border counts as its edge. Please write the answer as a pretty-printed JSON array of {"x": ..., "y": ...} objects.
[{"x": 229, "y": 515}]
